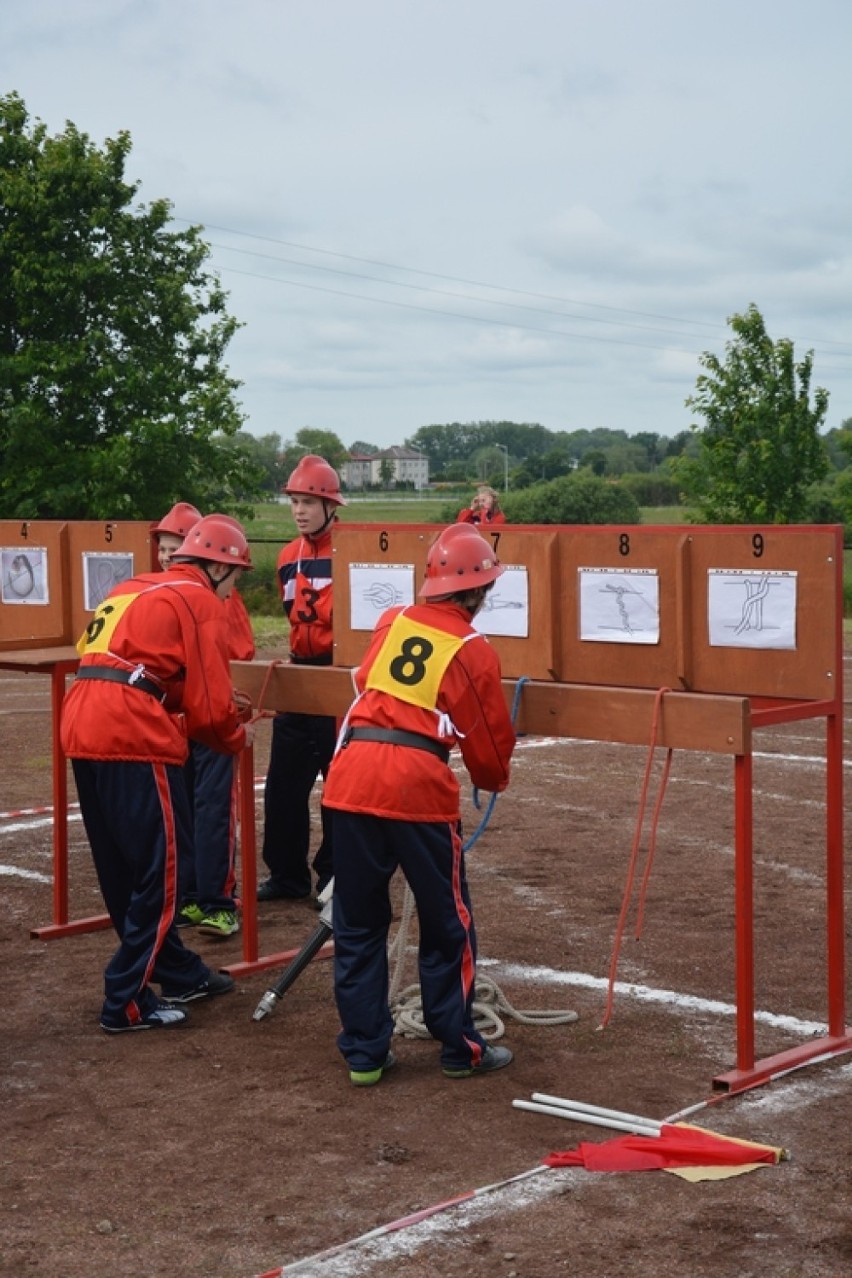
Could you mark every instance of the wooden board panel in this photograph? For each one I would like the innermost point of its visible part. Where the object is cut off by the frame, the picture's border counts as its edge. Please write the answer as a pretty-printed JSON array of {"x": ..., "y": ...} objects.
[
  {"x": 101, "y": 554},
  {"x": 813, "y": 668},
  {"x": 528, "y": 552},
  {"x": 642, "y": 559},
  {"x": 70, "y": 568},
  {"x": 35, "y": 601},
  {"x": 746, "y": 658}
]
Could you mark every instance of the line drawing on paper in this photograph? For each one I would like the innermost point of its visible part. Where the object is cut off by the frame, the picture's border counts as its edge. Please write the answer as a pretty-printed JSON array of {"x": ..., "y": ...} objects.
[
  {"x": 24, "y": 576},
  {"x": 756, "y": 593},
  {"x": 505, "y": 611},
  {"x": 101, "y": 572},
  {"x": 619, "y": 592},
  {"x": 373, "y": 588},
  {"x": 752, "y": 610},
  {"x": 619, "y": 606},
  {"x": 490, "y": 603},
  {"x": 381, "y": 595}
]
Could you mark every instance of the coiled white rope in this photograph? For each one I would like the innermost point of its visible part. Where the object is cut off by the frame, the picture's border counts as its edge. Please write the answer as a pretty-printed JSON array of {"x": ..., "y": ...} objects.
[{"x": 490, "y": 1005}]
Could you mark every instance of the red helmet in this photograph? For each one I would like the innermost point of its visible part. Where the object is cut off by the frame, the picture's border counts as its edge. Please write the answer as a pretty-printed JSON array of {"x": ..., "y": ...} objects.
[
  {"x": 178, "y": 521},
  {"x": 459, "y": 559},
  {"x": 315, "y": 477},
  {"x": 217, "y": 538}
]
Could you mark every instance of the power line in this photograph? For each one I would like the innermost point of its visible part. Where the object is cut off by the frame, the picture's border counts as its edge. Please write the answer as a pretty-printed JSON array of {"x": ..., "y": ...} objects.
[
  {"x": 425, "y": 288},
  {"x": 453, "y": 279},
  {"x": 477, "y": 284},
  {"x": 471, "y": 319},
  {"x": 477, "y": 319}
]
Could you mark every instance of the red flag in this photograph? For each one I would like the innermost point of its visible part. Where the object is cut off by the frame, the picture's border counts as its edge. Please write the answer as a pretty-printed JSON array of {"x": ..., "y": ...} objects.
[{"x": 676, "y": 1146}]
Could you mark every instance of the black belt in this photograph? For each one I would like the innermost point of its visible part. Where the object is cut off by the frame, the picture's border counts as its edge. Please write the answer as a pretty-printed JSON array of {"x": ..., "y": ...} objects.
[
  {"x": 396, "y": 736},
  {"x": 109, "y": 674}
]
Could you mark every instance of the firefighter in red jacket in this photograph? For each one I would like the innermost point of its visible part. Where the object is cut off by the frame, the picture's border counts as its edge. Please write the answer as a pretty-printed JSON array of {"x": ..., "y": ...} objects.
[
  {"x": 302, "y": 744},
  {"x": 154, "y": 672},
  {"x": 208, "y": 892},
  {"x": 428, "y": 681}
]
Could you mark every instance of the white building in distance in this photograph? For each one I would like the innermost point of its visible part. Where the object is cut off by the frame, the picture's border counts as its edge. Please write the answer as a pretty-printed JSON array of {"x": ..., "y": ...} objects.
[{"x": 407, "y": 466}]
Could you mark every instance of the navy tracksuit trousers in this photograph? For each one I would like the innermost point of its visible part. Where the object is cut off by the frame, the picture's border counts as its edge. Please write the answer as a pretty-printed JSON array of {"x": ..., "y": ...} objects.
[
  {"x": 208, "y": 876},
  {"x": 137, "y": 818},
  {"x": 368, "y": 850},
  {"x": 302, "y": 748}
]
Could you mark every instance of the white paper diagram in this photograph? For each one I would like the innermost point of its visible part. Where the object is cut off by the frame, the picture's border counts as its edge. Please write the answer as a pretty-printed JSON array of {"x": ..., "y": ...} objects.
[
  {"x": 375, "y": 587},
  {"x": 23, "y": 575},
  {"x": 619, "y": 605},
  {"x": 506, "y": 610},
  {"x": 751, "y": 609},
  {"x": 101, "y": 572}
]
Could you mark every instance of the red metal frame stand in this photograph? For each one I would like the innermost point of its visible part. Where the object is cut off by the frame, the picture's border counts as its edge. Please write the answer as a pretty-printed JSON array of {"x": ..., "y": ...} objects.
[
  {"x": 252, "y": 961},
  {"x": 750, "y": 1072},
  {"x": 58, "y": 667}
]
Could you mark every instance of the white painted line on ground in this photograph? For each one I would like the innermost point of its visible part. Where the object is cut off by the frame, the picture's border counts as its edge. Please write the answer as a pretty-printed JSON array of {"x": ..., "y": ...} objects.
[
  {"x": 645, "y": 994},
  {"x": 16, "y": 872},
  {"x": 376, "y": 1252},
  {"x": 16, "y": 827}
]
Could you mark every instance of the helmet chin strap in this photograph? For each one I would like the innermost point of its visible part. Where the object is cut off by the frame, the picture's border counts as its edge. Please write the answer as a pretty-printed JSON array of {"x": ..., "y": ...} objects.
[
  {"x": 205, "y": 564},
  {"x": 329, "y": 509}
]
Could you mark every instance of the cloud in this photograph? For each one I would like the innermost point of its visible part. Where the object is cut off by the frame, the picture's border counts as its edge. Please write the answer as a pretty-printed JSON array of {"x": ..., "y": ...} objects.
[{"x": 547, "y": 214}]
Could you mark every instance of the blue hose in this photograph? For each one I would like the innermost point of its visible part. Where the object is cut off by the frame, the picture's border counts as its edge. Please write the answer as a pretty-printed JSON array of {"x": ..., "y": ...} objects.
[{"x": 516, "y": 702}]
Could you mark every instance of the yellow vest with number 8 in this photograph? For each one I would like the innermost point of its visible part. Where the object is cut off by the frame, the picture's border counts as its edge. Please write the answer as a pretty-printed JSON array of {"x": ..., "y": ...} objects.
[{"x": 411, "y": 662}]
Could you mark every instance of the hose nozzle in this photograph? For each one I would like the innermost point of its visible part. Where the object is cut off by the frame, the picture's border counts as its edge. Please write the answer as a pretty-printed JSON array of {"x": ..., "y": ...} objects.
[{"x": 265, "y": 1006}]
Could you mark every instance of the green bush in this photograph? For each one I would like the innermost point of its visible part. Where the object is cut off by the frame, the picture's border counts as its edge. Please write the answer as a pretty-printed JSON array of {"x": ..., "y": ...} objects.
[
  {"x": 652, "y": 489},
  {"x": 580, "y": 498}
]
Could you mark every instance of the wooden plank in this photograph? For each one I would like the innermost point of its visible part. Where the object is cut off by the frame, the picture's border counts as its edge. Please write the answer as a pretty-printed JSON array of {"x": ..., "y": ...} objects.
[
  {"x": 303, "y": 689},
  {"x": 686, "y": 721},
  {"x": 36, "y": 659},
  {"x": 689, "y": 721}
]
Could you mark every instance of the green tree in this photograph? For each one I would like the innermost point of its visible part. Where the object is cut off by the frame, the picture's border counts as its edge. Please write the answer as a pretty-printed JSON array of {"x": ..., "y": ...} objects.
[
  {"x": 263, "y": 457},
  {"x": 654, "y": 446},
  {"x": 323, "y": 443},
  {"x": 594, "y": 460},
  {"x": 114, "y": 400},
  {"x": 580, "y": 498},
  {"x": 759, "y": 450},
  {"x": 622, "y": 459},
  {"x": 838, "y": 443}
]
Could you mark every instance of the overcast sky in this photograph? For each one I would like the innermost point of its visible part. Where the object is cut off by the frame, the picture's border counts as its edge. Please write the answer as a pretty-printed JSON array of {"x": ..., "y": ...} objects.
[{"x": 461, "y": 210}]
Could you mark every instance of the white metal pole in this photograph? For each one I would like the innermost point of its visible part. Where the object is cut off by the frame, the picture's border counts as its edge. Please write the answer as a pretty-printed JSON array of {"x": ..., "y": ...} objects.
[
  {"x": 585, "y": 1108},
  {"x": 579, "y": 1116},
  {"x": 505, "y": 452}
]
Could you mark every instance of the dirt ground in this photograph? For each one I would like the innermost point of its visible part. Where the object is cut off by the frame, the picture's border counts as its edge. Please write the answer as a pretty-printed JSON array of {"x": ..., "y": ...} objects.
[{"x": 233, "y": 1148}]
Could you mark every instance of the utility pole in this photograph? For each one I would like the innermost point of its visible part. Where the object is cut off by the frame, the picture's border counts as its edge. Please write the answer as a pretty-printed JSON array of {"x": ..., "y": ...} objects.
[{"x": 505, "y": 452}]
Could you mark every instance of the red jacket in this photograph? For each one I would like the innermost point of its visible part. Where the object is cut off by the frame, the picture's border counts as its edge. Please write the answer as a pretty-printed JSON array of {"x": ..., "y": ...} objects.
[
  {"x": 172, "y": 625},
  {"x": 240, "y": 634},
  {"x": 426, "y": 671},
  {"x": 479, "y": 517},
  {"x": 304, "y": 571}
]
